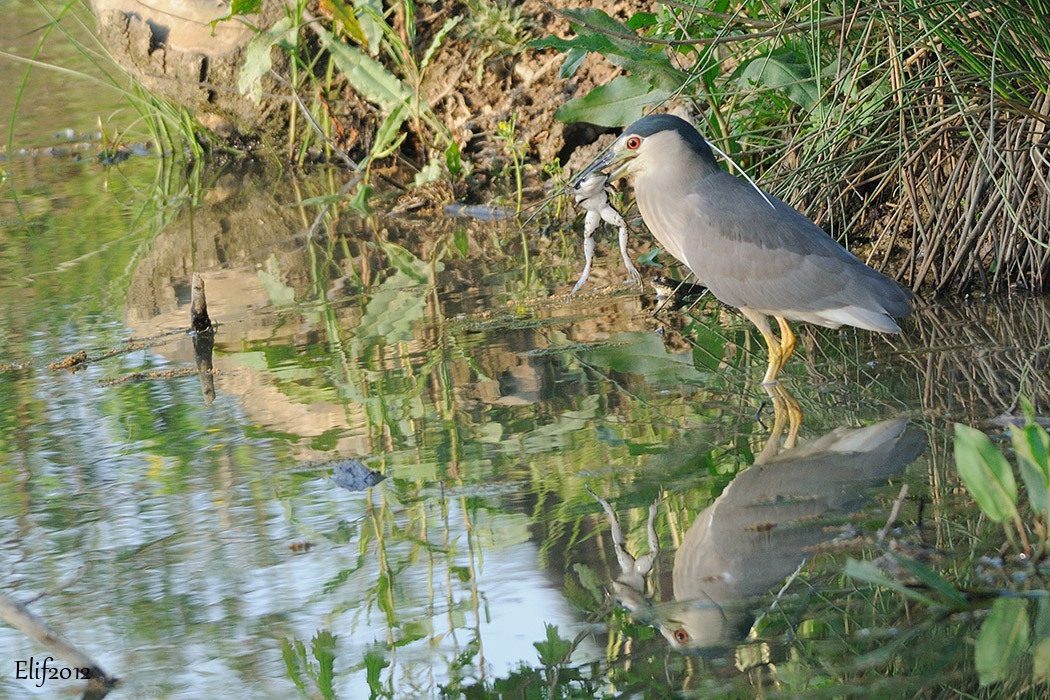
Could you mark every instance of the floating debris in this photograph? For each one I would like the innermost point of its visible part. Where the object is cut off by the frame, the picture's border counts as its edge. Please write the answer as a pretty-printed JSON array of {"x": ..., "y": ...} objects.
[
  {"x": 353, "y": 475},
  {"x": 70, "y": 361}
]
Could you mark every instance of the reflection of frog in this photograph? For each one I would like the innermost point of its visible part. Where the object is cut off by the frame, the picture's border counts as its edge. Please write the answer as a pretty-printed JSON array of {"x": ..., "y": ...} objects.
[
  {"x": 758, "y": 531},
  {"x": 429, "y": 198},
  {"x": 591, "y": 195}
]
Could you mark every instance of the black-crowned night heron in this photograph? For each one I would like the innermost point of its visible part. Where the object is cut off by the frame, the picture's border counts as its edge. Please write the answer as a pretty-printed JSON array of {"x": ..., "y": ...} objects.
[{"x": 753, "y": 251}]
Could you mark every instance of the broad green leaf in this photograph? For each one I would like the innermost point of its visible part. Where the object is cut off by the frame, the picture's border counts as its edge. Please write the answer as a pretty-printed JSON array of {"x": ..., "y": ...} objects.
[
  {"x": 323, "y": 648},
  {"x": 375, "y": 662},
  {"x": 237, "y": 8},
  {"x": 257, "y": 59},
  {"x": 573, "y": 60},
  {"x": 369, "y": 77},
  {"x": 1002, "y": 640},
  {"x": 1032, "y": 446},
  {"x": 1041, "y": 642},
  {"x": 781, "y": 70},
  {"x": 461, "y": 243},
  {"x": 244, "y": 7},
  {"x": 554, "y": 650},
  {"x": 618, "y": 103},
  {"x": 453, "y": 159},
  {"x": 597, "y": 32},
  {"x": 295, "y": 663},
  {"x": 986, "y": 473}
]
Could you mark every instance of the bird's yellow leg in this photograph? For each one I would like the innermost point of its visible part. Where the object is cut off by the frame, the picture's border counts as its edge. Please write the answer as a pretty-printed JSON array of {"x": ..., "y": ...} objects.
[
  {"x": 787, "y": 342},
  {"x": 772, "y": 344},
  {"x": 785, "y": 407}
]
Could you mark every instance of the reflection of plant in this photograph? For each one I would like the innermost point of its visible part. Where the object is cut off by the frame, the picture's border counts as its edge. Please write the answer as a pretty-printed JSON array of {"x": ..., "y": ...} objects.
[
  {"x": 168, "y": 127},
  {"x": 300, "y": 667},
  {"x": 506, "y": 132},
  {"x": 990, "y": 480},
  {"x": 1009, "y": 634}
]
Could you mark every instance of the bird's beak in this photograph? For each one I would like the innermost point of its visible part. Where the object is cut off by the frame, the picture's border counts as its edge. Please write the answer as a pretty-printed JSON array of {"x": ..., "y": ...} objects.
[{"x": 608, "y": 158}]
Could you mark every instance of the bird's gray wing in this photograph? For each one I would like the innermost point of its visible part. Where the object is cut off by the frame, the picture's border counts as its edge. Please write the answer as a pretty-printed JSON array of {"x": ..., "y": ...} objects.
[{"x": 754, "y": 251}]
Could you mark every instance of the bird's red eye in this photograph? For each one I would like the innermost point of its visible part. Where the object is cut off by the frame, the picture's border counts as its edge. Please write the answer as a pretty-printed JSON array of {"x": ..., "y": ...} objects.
[
  {"x": 681, "y": 636},
  {"x": 634, "y": 142}
]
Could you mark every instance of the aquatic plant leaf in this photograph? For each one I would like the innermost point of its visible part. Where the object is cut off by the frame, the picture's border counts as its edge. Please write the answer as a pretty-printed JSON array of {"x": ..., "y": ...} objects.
[
  {"x": 375, "y": 662},
  {"x": 1032, "y": 446},
  {"x": 323, "y": 648},
  {"x": 554, "y": 650},
  {"x": 709, "y": 348},
  {"x": 1002, "y": 639},
  {"x": 616, "y": 103},
  {"x": 986, "y": 473},
  {"x": 295, "y": 662},
  {"x": 407, "y": 263}
]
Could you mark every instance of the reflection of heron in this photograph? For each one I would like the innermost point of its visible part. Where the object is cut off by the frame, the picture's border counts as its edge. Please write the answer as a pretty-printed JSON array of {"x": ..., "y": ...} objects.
[{"x": 757, "y": 531}]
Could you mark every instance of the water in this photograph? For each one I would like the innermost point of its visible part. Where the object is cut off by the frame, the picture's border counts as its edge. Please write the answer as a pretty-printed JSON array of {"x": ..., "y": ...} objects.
[{"x": 184, "y": 531}]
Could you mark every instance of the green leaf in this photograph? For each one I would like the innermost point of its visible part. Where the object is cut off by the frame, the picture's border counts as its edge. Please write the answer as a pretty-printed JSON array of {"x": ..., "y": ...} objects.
[
  {"x": 343, "y": 16},
  {"x": 453, "y": 159},
  {"x": 323, "y": 648},
  {"x": 867, "y": 571},
  {"x": 986, "y": 473},
  {"x": 932, "y": 580},
  {"x": 642, "y": 20},
  {"x": 244, "y": 7},
  {"x": 361, "y": 201},
  {"x": 554, "y": 650},
  {"x": 573, "y": 60},
  {"x": 781, "y": 70},
  {"x": 1002, "y": 640},
  {"x": 436, "y": 42},
  {"x": 407, "y": 263},
  {"x": 709, "y": 347},
  {"x": 1041, "y": 643},
  {"x": 388, "y": 135},
  {"x": 597, "y": 32},
  {"x": 1032, "y": 446},
  {"x": 375, "y": 662},
  {"x": 618, "y": 103},
  {"x": 295, "y": 664},
  {"x": 460, "y": 241},
  {"x": 257, "y": 59},
  {"x": 369, "y": 77}
]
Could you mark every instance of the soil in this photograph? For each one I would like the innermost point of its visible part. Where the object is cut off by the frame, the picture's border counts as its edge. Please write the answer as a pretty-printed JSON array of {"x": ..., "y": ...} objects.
[{"x": 473, "y": 82}]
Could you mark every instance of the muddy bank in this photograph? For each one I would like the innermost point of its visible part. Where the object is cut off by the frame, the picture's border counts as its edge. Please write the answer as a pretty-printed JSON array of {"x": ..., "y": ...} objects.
[{"x": 480, "y": 74}]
